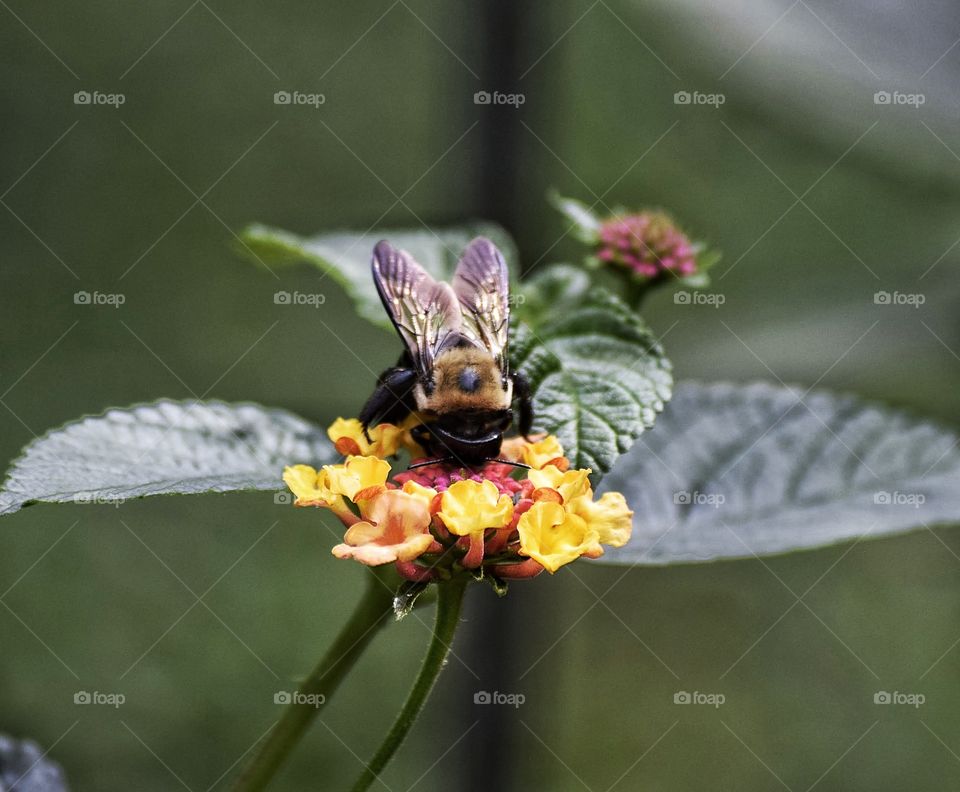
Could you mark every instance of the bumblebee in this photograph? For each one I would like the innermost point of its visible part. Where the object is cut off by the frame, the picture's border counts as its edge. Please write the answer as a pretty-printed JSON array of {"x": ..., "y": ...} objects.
[{"x": 454, "y": 370}]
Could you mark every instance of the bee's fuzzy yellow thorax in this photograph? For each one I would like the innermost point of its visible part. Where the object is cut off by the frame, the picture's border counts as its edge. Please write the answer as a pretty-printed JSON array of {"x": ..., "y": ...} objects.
[{"x": 465, "y": 378}]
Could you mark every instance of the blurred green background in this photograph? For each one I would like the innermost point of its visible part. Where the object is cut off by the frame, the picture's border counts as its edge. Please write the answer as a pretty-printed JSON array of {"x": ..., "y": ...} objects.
[{"x": 141, "y": 200}]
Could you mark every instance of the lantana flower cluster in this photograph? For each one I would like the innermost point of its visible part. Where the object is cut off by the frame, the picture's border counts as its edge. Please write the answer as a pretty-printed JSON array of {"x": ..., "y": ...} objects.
[
  {"x": 649, "y": 244},
  {"x": 509, "y": 521}
]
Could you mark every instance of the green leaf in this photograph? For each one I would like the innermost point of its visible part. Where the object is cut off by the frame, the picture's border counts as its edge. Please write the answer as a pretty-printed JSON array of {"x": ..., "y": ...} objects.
[
  {"x": 345, "y": 256},
  {"x": 736, "y": 470},
  {"x": 25, "y": 766},
  {"x": 706, "y": 259},
  {"x": 597, "y": 373},
  {"x": 163, "y": 448},
  {"x": 584, "y": 222},
  {"x": 556, "y": 287}
]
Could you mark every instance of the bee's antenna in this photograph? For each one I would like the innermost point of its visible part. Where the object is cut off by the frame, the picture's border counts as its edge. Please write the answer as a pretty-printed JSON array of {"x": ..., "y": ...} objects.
[
  {"x": 508, "y": 462},
  {"x": 426, "y": 462}
]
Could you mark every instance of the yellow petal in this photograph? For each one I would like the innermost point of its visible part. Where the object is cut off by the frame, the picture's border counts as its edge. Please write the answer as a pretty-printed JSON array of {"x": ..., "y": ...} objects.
[
  {"x": 425, "y": 494},
  {"x": 570, "y": 484},
  {"x": 396, "y": 529},
  {"x": 609, "y": 520},
  {"x": 349, "y": 428},
  {"x": 541, "y": 452},
  {"x": 348, "y": 435},
  {"x": 370, "y": 471},
  {"x": 512, "y": 448},
  {"x": 357, "y": 474},
  {"x": 470, "y": 506},
  {"x": 309, "y": 485},
  {"x": 551, "y": 535}
]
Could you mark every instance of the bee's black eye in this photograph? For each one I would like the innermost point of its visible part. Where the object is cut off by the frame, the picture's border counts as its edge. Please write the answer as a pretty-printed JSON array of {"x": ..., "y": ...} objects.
[{"x": 469, "y": 380}]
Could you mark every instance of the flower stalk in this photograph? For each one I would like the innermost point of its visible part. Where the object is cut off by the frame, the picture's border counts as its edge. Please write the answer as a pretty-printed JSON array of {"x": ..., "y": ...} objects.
[
  {"x": 372, "y": 612},
  {"x": 449, "y": 602}
]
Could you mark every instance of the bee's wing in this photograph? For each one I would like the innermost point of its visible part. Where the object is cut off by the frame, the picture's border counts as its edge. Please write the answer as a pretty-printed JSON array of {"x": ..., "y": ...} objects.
[
  {"x": 424, "y": 311},
  {"x": 482, "y": 285}
]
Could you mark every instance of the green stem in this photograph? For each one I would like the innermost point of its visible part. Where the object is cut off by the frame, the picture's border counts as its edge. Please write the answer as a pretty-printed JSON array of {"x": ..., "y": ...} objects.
[
  {"x": 636, "y": 292},
  {"x": 371, "y": 613},
  {"x": 449, "y": 600}
]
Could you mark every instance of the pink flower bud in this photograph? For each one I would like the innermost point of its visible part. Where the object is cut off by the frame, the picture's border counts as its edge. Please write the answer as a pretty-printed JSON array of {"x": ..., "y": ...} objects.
[{"x": 648, "y": 244}]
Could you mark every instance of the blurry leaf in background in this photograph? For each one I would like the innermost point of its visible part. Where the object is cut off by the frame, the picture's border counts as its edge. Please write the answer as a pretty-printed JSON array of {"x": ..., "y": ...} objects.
[
  {"x": 825, "y": 63},
  {"x": 584, "y": 221},
  {"x": 732, "y": 471},
  {"x": 24, "y": 767},
  {"x": 163, "y": 448},
  {"x": 345, "y": 256},
  {"x": 551, "y": 291}
]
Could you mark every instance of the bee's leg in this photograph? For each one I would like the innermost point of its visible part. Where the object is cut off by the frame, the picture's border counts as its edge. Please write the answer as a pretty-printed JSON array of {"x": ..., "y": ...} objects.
[
  {"x": 521, "y": 392},
  {"x": 428, "y": 462},
  {"x": 522, "y": 465},
  {"x": 393, "y": 399},
  {"x": 421, "y": 434}
]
